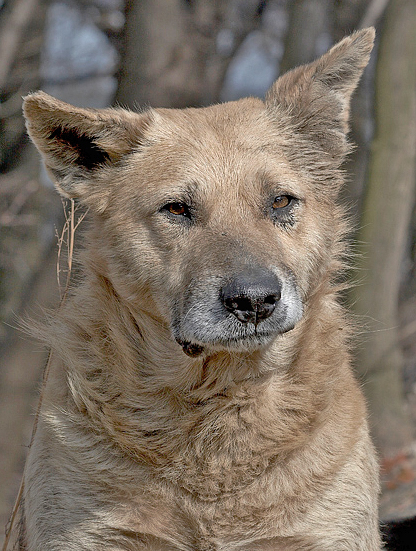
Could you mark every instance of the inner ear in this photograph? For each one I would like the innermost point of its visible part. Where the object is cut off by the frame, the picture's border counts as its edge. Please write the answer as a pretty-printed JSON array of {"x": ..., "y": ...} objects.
[{"x": 86, "y": 153}]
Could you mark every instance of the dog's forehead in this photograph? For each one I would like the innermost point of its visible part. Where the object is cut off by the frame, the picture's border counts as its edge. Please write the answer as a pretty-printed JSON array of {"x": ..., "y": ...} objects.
[
  {"x": 241, "y": 122},
  {"x": 227, "y": 145},
  {"x": 231, "y": 151}
]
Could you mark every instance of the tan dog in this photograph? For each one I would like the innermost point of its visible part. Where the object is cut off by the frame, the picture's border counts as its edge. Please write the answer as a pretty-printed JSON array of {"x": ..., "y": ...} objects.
[{"x": 201, "y": 396}]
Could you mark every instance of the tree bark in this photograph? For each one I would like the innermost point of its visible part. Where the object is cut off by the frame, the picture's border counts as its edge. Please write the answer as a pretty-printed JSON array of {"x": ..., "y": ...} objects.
[
  {"x": 21, "y": 28},
  {"x": 386, "y": 217}
]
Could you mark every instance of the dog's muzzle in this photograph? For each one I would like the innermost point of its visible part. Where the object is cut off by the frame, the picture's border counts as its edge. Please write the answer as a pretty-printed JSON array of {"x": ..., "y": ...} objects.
[{"x": 242, "y": 312}]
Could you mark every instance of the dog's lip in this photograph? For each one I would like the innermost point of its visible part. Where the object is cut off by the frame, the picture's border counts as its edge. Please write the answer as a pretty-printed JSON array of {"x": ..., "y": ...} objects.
[{"x": 191, "y": 349}]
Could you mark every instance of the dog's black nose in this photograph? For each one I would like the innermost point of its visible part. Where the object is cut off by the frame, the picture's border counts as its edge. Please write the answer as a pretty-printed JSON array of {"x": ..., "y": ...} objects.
[{"x": 252, "y": 297}]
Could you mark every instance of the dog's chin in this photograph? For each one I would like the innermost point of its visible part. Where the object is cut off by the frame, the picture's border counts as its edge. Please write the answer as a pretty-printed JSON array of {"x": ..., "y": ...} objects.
[{"x": 254, "y": 342}]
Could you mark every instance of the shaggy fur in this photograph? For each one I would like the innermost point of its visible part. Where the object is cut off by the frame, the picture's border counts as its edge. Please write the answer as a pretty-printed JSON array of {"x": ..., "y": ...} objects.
[{"x": 201, "y": 396}]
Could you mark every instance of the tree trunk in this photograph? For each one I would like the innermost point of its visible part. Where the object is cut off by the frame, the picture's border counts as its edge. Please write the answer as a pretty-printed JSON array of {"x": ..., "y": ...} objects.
[
  {"x": 21, "y": 31},
  {"x": 177, "y": 51},
  {"x": 307, "y": 35},
  {"x": 166, "y": 51},
  {"x": 385, "y": 224}
]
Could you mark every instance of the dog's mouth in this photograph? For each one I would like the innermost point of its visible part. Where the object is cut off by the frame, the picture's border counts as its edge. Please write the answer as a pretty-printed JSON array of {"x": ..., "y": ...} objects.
[
  {"x": 241, "y": 343},
  {"x": 191, "y": 349}
]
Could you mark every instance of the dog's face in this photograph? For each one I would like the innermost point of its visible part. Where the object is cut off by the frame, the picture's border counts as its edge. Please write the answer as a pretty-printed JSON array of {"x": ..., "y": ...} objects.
[
  {"x": 217, "y": 221},
  {"x": 218, "y": 214}
]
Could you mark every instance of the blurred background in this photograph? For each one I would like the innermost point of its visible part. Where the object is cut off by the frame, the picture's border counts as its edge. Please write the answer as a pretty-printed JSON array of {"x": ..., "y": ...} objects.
[{"x": 177, "y": 53}]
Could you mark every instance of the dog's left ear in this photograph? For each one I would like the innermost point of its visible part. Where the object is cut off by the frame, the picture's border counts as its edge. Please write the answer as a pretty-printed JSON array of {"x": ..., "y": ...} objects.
[
  {"x": 79, "y": 145},
  {"x": 315, "y": 98}
]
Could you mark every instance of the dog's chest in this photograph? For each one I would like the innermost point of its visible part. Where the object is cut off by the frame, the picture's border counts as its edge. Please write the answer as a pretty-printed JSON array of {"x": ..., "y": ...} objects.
[
  {"x": 224, "y": 452},
  {"x": 217, "y": 524},
  {"x": 195, "y": 524}
]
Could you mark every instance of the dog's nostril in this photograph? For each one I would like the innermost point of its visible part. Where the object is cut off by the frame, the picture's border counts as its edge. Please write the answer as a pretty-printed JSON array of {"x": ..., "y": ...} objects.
[
  {"x": 241, "y": 304},
  {"x": 265, "y": 308},
  {"x": 272, "y": 299},
  {"x": 253, "y": 309}
]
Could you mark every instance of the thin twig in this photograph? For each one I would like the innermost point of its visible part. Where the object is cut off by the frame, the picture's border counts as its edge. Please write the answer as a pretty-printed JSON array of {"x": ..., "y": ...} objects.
[
  {"x": 67, "y": 239},
  {"x": 12, "y": 519}
]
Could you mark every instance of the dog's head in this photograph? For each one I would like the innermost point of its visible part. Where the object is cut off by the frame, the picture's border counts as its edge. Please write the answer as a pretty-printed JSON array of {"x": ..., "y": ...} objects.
[{"x": 218, "y": 221}]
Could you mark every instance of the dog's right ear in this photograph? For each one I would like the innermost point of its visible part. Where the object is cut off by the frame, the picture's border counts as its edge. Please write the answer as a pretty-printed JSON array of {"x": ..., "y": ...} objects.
[
  {"x": 315, "y": 97},
  {"x": 78, "y": 145}
]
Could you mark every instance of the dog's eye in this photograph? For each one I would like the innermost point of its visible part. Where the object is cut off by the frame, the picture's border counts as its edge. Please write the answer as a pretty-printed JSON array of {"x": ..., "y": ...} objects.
[
  {"x": 177, "y": 209},
  {"x": 282, "y": 210},
  {"x": 282, "y": 201}
]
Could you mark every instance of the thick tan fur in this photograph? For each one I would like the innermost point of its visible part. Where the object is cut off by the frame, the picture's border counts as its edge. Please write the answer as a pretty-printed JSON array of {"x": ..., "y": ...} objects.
[{"x": 170, "y": 422}]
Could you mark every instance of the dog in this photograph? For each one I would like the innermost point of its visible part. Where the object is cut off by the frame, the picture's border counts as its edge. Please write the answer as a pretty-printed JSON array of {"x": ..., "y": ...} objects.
[{"x": 201, "y": 395}]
